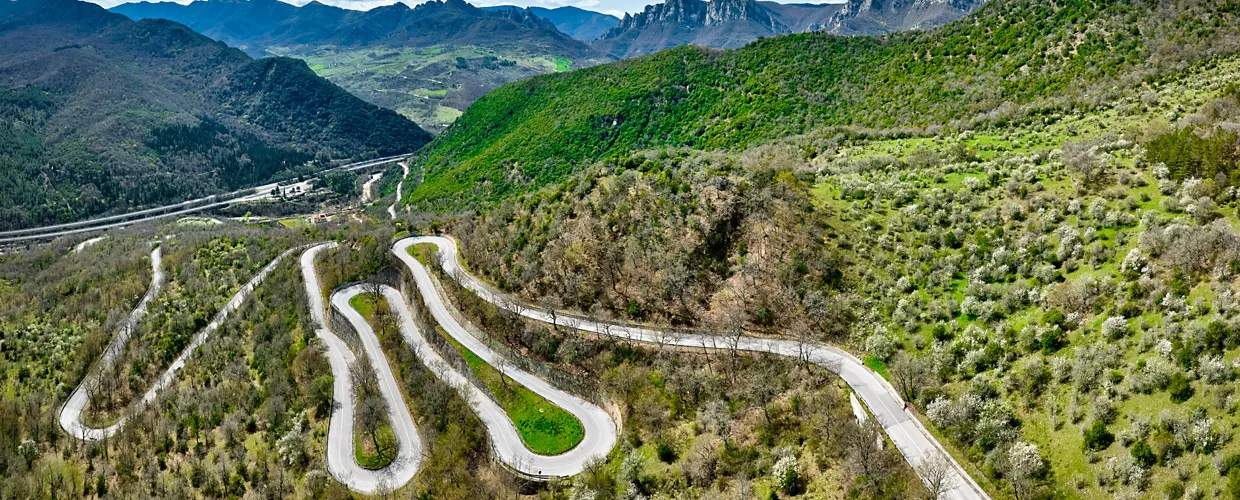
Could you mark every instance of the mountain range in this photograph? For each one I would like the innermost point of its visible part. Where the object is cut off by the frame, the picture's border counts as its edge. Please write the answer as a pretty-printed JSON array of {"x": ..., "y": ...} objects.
[
  {"x": 584, "y": 25},
  {"x": 427, "y": 62},
  {"x": 258, "y": 26},
  {"x": 728, "y": 24},
  {"x": 101, "y": 113}
]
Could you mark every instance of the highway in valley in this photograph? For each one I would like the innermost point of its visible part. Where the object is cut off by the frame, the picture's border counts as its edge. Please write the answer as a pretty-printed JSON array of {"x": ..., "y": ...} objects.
[{"x": 186, "y": 207}]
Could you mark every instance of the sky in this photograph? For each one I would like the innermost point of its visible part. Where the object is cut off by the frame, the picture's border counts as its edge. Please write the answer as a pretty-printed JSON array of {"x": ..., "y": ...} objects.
[{"x": 614, "y": 7}]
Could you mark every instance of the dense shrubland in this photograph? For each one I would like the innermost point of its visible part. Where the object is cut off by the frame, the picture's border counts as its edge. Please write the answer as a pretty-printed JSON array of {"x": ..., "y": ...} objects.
[
  {"x": 1066, "y": 316},
  {"x": 244, "y": 414},
  {"x": 672, "y": 236}
]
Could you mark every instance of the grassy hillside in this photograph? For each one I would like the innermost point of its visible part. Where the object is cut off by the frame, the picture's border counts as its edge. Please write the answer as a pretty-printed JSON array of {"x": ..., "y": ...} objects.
[
  {"x": 102, "y": 114},
  {"x": 1012, "y": 62}
]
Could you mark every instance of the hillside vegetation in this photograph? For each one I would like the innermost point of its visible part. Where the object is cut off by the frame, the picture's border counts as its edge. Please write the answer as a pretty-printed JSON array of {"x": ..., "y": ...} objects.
[
  {"x": 101, "y": 114},
  {"x": 1012, "y": 62},
  {"x": 1057, "y": 298}
]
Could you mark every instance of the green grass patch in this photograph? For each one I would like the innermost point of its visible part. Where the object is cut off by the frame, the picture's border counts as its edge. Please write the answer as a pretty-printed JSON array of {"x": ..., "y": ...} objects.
[
  {"x": 365, "y": 304},
  {"x": 374, "y": 457},
  {"x": 545, "y": 428},
  {"x": 293, "y": 223},
  {"x": 877, "y": 365},
  {"x": 424, "y": 252}
]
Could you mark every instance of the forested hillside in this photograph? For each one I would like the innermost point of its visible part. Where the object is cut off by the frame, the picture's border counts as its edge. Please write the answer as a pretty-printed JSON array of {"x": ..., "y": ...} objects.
[
  {"x": 99, "y": 113},
  {"x": 1012, "y": 62}
]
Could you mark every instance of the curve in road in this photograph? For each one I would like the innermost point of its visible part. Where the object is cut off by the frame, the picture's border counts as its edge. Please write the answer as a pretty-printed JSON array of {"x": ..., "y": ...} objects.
[
  {"x": 71, "y": 412},
  {"x": 600, "y": 429},
  {"x": 911, "y": 438},
  {"x": 341, "y": 460},
  {"x": 404, "y": 165}
]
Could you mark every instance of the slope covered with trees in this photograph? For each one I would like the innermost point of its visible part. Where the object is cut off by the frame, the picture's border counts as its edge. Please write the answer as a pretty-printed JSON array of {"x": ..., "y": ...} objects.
[
  {"x": 100, "y": 113},
  {"x": 1057, "y": 298},
  {"x": 1012, "y": 62}
]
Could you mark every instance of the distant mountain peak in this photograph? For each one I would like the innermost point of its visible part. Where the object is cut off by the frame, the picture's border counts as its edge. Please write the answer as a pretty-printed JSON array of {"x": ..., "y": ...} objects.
[
  {"x": 868, "y": 17},
  {"x": 697, "y": 14},
  {"x": 733, "y": 23}
]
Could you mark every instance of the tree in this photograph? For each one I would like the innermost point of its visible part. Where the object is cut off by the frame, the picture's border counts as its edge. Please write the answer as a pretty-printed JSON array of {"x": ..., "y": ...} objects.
[
  {"x": 1097, "y": 437},
  {"x": 1143, "y": 454},
  {"x": 871, "y": 466},
  {"x": 935, "y": 471},
  {"x": 910, "y": 373},
  {"x": 321, "y": 390},
  {"x": 715, "y": 418},
  {"x": 1179, "y": 388},
  {"x": 787, "y": 477},
  {"x": 1025, "y": 464},
  {"x": 765, "y": 384}
]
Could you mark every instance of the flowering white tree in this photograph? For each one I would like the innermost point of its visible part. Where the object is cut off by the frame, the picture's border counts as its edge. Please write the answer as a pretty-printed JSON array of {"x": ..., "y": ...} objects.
[
  {"x": 1025, "y": 464},
  {"x": 1115, "y": 327},
  {"x": 786, "y": 474}
]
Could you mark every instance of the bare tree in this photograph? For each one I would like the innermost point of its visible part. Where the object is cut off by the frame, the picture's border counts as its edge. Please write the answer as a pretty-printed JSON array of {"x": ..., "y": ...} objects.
[
  {"x": 910, "y": 373},
  {"x": 803, "y": 337},
  {"x": 765, "y": 385},
  {"x": 935, "y": 471},
  {"x": 871, "y": 467}
]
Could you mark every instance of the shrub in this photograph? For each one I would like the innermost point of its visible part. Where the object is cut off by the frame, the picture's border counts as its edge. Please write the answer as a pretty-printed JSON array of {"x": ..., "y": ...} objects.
[
  {"x": 1179, "y": 387},
  {"x": 1143, "y": 454},
  {"x": 1097, "y": 437},
  {"x": 1115, "y": 327},
  {"x": 787, "y": 479},
  {"x": 665, "y": 451},
  {"x": 1174, "y": 490}
]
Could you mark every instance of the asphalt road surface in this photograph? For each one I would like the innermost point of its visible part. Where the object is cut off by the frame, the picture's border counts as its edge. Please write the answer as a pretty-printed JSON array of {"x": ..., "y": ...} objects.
[
  {"x": 600, "y": 429},
  {"x": 341, "y": 461}
]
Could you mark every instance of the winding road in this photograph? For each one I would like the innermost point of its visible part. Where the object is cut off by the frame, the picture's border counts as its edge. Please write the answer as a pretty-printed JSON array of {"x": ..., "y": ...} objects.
[
  {"x": 600, "y": 429},
  {"x": 71, "y": 412},
  {"x": 404, "y": 165},
  {"x": 341, "y": 461},
  {"x": 910, "y": 437}
]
